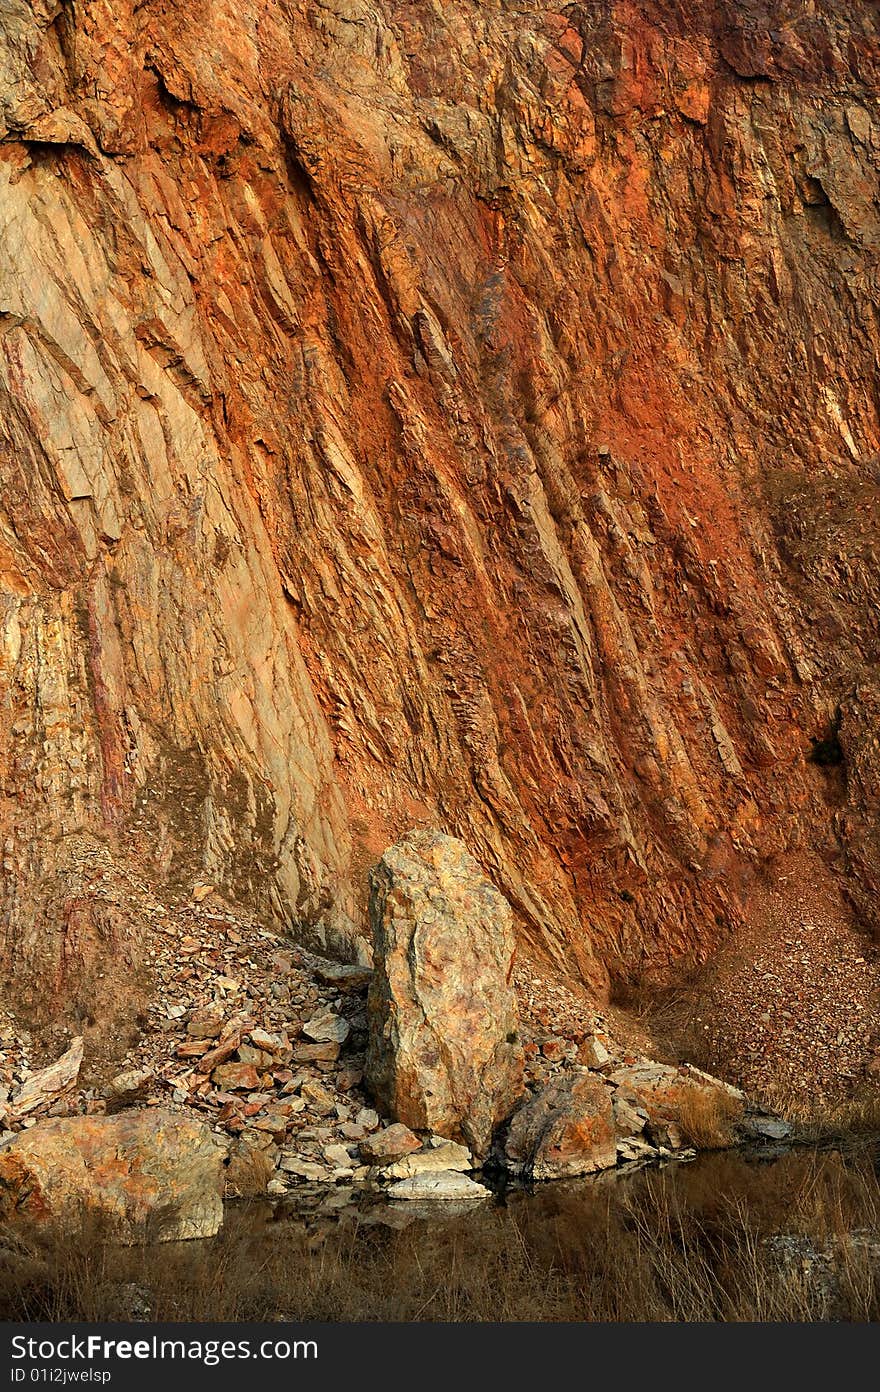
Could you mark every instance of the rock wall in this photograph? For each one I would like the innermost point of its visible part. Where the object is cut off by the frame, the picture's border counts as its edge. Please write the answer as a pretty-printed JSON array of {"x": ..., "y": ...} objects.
[{"x": 458, "y": 415}]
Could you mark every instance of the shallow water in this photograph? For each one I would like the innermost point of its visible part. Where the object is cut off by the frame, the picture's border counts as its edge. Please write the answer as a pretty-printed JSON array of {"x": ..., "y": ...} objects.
[
  {"x": 752, "y": 1234},
  {"x": 766, "y": 1181},
  {"x": 763, "y": 1234}
]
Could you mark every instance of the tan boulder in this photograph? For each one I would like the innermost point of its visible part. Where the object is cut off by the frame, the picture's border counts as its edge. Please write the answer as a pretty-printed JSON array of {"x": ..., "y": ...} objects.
[
  {"x": 390, "y": 1144},
  {"x": 276, "y": 1044},
  {"x": 446, "y": 1185},
  {"x": 431, "y": 1160},
  {"x": 317, "y": 1098},
  {"x": 246, "y": 1053},
  {"x": 566, "y": 1129},
  {"x": 444, "y": 1053},
  {"x": 593, "y": 1053},
  {"x": 142, "y": 1169}
]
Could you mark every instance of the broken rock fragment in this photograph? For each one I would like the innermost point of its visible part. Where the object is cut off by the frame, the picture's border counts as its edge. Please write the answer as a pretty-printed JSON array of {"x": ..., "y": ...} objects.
[
  {"x": 236, "y": 1076},
  {"x": 206, "y": 1023},
  {"x": 327, "y": 1028},
  {"x": 344, "y": 977},
  {"x": 390, "y": 1144},
  {"x": 47, "y": 1085},
  {"x": 128, "y": 1087}
]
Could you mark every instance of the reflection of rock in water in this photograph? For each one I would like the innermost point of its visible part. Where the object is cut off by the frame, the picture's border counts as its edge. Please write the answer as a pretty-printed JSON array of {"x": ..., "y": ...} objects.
[
  {"x": 724, "y": 1192},
  {"x": 728, "y": 1237}
]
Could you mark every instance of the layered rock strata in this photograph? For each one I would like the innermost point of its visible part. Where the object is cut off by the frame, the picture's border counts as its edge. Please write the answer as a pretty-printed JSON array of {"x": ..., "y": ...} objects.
[{"x": 454, "y": 415}]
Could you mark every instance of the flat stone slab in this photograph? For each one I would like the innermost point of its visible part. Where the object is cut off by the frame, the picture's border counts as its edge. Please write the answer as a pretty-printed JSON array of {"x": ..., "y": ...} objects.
[
  {"x": 448, "y": 1184},
  {"x": 431, "y": 1160},
  {"x": 344, "y": 977}
]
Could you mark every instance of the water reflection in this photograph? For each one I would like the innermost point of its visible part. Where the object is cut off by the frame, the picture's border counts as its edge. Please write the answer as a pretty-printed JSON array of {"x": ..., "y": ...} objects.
[{"x": 767, "y": 1184}]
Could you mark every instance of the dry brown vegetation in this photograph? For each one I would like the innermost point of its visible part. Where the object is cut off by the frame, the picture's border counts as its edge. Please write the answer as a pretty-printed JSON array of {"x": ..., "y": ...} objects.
[
  {"x": 858, "y": 1114},
  {"x": 798, "y": 1240},
  {"x": 707, "y": 1117},
  {"x": 248, "y": 1173}
]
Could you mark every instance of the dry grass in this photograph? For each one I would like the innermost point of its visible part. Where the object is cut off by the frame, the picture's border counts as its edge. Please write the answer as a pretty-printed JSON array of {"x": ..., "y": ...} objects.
[
  {"x": 699, "y": 1244},
  {"x": 667, "y": 1017},
  {"x": 857, "y": 1115},
  {"x": 248, "y": 1173},
  {"x": 707, "y": 1117}
]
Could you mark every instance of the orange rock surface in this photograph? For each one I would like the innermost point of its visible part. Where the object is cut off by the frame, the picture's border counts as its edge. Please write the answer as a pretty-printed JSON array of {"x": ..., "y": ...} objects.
[
  {"x": 140, "y": 1170},
  {"x": 453, "y": 415}
]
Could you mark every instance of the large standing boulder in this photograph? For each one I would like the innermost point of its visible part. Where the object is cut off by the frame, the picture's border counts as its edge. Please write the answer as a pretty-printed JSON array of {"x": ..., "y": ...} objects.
[
  {"x": 564, "y": 1130},
  {"x": 444, "y": 1053},
  {"x": 149, "y": 1169}
]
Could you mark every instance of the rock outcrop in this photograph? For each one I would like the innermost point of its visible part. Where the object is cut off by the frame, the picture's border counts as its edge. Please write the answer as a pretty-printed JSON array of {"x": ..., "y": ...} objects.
[
  {"x": 683, "y": 1106},
  {"x": 419, "y": 414},
  {"x": 444, "y": 1053},
  {"x": 582, "y": 1120},
  {"x": 148, "y": 1172},
  {"x": 566, "y": 1129}
]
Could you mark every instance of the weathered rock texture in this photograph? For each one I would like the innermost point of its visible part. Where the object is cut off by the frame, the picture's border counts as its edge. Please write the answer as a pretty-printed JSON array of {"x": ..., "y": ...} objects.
[
  {"x": 49, "y": 1084},
  {"x": 150, "y": 1171},
  {"x": 683, "y": 1105},
  {"x": 417, "y": 414},
  {"x": 565, "y": 1129},
  {"x": 444, "y": 1054}
]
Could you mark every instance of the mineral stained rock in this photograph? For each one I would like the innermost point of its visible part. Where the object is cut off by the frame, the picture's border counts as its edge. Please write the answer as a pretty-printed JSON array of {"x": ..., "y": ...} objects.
[
  {"x": 419, "y": 414},
  {"x": 443, "y": 1048},
  {"x": 150, "y": 1171},
  {"x": 392, "y": 1143},
  {"x": 565, "y": 1129}
]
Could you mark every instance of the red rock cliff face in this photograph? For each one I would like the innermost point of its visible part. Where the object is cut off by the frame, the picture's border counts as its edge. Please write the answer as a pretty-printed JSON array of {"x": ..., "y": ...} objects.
[{"x": 456, "y": 414}]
